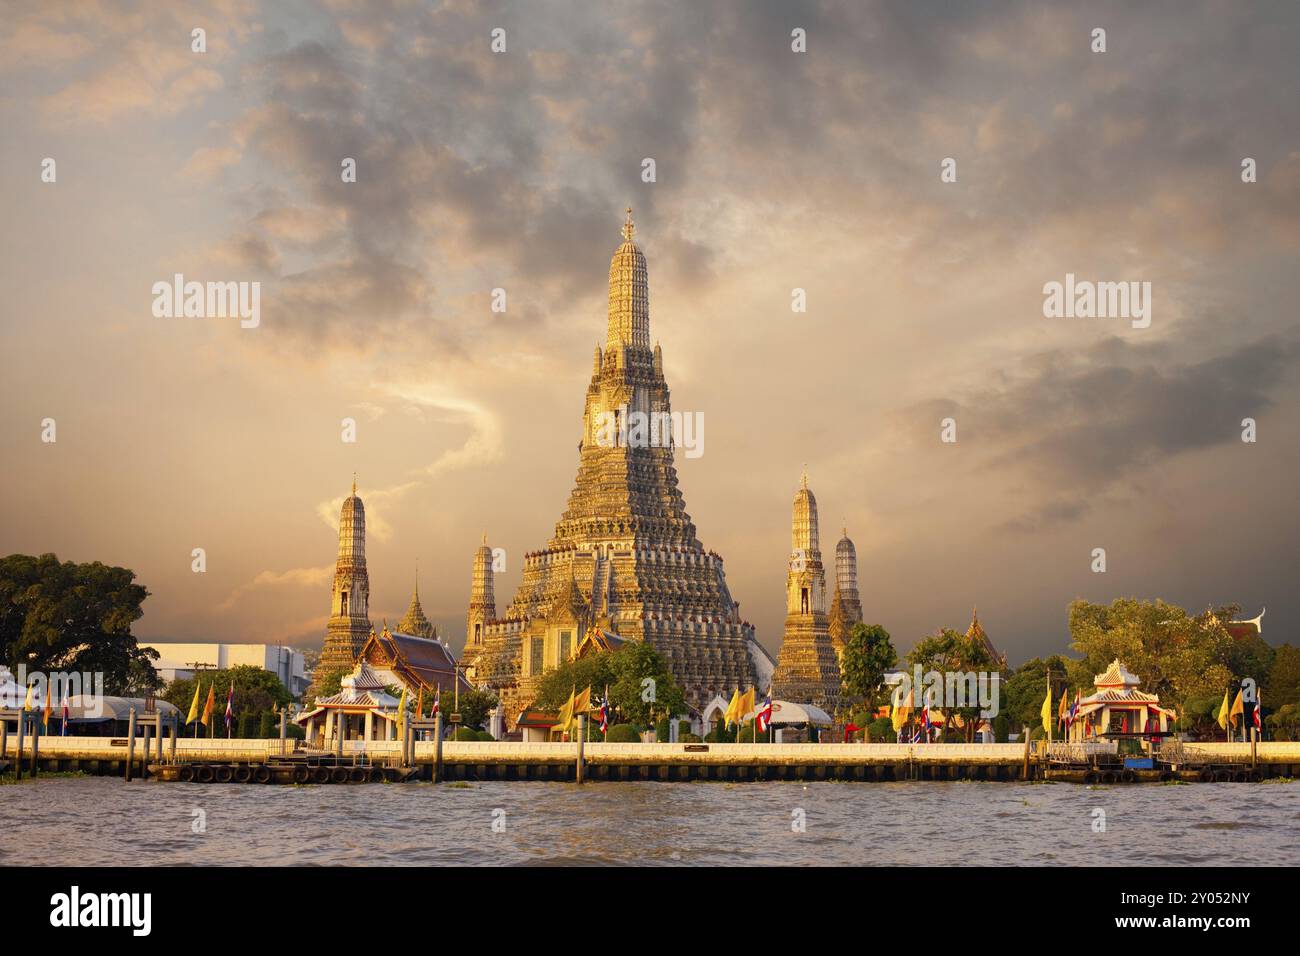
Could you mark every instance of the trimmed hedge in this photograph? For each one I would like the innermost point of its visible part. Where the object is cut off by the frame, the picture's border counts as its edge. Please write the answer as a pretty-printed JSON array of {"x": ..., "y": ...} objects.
[{"x": 624, "y": 734}]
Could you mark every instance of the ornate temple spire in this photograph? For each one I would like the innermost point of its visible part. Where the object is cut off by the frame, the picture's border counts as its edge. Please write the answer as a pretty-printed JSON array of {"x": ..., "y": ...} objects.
[
  {"x": 482, "y": 596},
  {"x": 629, "y": 299},
  {"x": 352, "y": 532},
  {"x": 803, "y": 528},
  {"x": 414, "y": 621},
  {"x": 349, "y": 621},
  {"x": 807, "y": 668}
]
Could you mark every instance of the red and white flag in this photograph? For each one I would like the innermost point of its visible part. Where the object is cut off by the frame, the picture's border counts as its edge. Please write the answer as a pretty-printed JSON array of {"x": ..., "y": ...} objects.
[{"x": 230, "y": 707}]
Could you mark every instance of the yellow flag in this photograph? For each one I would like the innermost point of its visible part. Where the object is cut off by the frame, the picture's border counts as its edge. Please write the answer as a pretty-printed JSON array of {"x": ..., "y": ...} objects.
[
  {"x": 902, "y": 713},
  {"x": 46, "y": 716},
  {"x": 1047, "y": 710},
  {"x": 566, "y": 713},
  {"x": 401, "y": 715},
  {"x": 209, "y": 704},
  {"x": 27, "y": 704},
  {"x": 746, "y": 705},
  {"x": 1223, "y": 712},
  {"x": 730, "y": 716},
  {"x": 1064, "y": 710},
  {"x": 1238, "y": 710},
  {"x": 582, "y": 703},
  {"x": 194, "y": 704}
]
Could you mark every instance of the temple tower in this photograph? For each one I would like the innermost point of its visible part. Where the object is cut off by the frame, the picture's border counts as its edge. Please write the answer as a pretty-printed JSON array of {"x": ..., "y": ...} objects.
[
  {"x": 807, "y": 670},
  {"x": 482, "y": 607},
  {"x": 846, "y": 604},
  {"x": 624, "y": 555},
  {"x": 349, "y": 623},
  {"x": 414, "y": 622}
]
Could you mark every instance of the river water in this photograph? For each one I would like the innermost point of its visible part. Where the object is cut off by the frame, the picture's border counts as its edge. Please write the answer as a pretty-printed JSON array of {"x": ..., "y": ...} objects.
[{"x": 102, "y": 820}]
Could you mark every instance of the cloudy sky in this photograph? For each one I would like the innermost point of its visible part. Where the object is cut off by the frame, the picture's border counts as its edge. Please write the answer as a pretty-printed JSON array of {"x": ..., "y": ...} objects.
[{"x": 775, "y": 170}]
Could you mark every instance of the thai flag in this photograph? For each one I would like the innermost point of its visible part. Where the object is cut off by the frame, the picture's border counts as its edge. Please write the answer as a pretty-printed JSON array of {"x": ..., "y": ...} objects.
[
  {"x": 65, "y": 713},
  {"x": 230, "y": 707},
  {"x": 437, "y": 700},
  {"x": 764, "y": 716},
  {"x": 925, "y": 722},
  {"x": 604, "y": 713},
  {"x": 1256, "y": 718},
  {"x": 1074, "y": 708}
]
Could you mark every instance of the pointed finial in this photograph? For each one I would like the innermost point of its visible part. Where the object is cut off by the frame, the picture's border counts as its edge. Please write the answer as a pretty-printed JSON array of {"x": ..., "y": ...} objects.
[
  {"x": 354, "y": 484},
  {"x": 417, "y": 579},
  {"x": 485, "y": 537},
  {"x": 628, "y": 227},
  {"x": 803, "y": 481}
]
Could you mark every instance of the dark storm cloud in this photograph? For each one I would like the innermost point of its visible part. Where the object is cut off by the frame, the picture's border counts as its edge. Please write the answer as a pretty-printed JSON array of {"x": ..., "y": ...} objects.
[{"x": 1078, "y": 424}]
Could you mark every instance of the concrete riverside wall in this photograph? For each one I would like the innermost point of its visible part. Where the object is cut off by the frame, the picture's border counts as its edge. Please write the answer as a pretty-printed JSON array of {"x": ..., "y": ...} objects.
[{"x": 493, "y": 752}]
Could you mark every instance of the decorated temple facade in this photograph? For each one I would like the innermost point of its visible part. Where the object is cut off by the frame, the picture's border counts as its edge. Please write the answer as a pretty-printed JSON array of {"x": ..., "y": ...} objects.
[
  {"x": 349, "y": 622},
  {"x": 624, "y": 556},
  {"x": 368, "y": 710},
  {"x": 808, "y": 669},
  {"x": 1118, "y": 706},
  {"x": 482, "y": 607}
]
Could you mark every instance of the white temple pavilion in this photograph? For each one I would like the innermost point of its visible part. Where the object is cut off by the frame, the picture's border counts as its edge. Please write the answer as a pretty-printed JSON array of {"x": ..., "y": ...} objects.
[
  {"x": 1119, "y": 707},
  {"x": 369, "y": 711}
]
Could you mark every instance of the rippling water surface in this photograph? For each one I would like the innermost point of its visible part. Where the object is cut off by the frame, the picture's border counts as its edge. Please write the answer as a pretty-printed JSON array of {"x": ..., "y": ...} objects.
[{"x": 100, "y": 820}]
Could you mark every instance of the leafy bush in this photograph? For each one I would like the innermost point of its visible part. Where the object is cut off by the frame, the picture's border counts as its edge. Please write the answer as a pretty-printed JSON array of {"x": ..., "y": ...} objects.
[
  {"x": 623, "y": 734},
  {"x": 662, "y": 730},
  {"x": 485, "y": 736},
  {"x": 1001, "y": 728},
  {"x": 881, "y": 731},
  {"x": 689, "y": 738},
  {"x": 721, "y": 735},
  {"x": 465, "y": 733}
]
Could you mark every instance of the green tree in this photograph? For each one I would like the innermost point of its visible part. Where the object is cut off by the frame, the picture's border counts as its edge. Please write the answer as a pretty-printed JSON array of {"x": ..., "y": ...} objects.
[
  {"x": 1285, "y": 722},
  {"x": 1023, "y": 691},
  {"x": 1283, "y": 684},
  {"x": 256, "y": 690},
  {"x": 948, "y": 652},
  {"x": 1178, "y": 656},
  {"x": 329, "y": 682},
  {"x": 63, "y": 616},
  {"x": 868, "y": 653},
  {"x": 475, "y": 706},
  {"x": 625, "y": 671}
]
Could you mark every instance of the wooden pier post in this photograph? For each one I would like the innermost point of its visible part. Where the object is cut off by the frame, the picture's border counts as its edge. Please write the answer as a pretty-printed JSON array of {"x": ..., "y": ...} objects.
[
  {"x": 130, "y": 743},
  {"x": 437, "y": 747},
  {"x": 338, "y": 734},
  {"x": 18, "y": 760},
  {"x": 1024, "y": 774},
  {"x": 582, "y": 739},
  {"x": 4, "y": 738},
  {"x": 158, "y": 745},
  {"x": 176, "y": 731},
  {"x": 284, "y": 735},
  {"x": 144, "y": 753},
  {"x": 36, "y": 748}
]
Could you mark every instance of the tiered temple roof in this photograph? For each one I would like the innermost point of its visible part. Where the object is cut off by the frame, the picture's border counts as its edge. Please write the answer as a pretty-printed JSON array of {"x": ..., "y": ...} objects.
[{"x": 624, "y": 555}]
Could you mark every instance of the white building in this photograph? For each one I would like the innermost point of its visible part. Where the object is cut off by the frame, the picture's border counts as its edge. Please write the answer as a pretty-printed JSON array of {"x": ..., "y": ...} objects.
[{"x": 181, "y": 661}]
